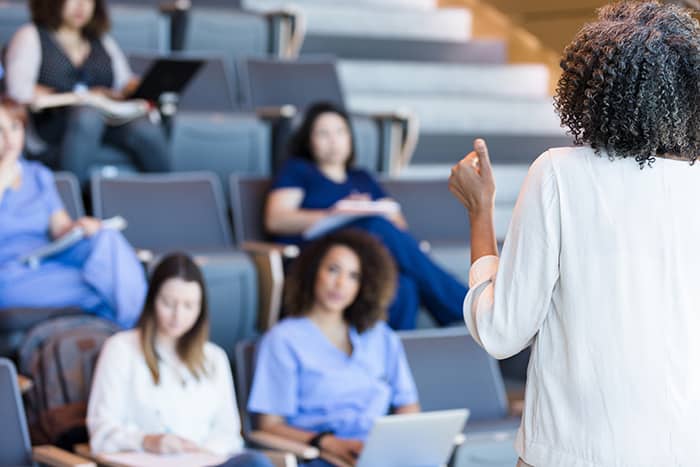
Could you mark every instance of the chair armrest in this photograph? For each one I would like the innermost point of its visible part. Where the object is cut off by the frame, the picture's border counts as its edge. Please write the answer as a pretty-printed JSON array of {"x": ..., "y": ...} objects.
[
  {"x": 51, "y": 455},
  {"x": 280, "y": 459},
  {"x": 400, "y": 131},
  {"x": 144, "y": 256},
  {"x": 289, "y": 29},
  {"x": 288, "y": 251},
  {"x": 269, "y": 265},
  {"x": 276, "y": 113},
  {"x": 268, "y": 440},
  {"x": 174, "y": 6}
]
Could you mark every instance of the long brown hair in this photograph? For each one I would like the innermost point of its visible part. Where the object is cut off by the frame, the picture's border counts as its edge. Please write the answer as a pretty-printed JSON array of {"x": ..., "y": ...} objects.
[{"x": 189, "y": 347}]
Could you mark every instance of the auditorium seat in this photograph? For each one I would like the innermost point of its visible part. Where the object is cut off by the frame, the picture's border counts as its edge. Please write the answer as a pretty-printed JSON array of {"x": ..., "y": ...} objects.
[
  {"x": 12, "y": 17},
  {"x": 140, "y": 28},
  {"x": 186, "y": 212},
  {"x": 436, "y": 219},
  {"x": 283, "y": 90},
  {"x": 451, "y": 371},
  {"x": 15, "y": 447},
  {"x": 221, "y": 143},
  {"x": 248, "y": 196},
  {"x": 69, "y": 191}
]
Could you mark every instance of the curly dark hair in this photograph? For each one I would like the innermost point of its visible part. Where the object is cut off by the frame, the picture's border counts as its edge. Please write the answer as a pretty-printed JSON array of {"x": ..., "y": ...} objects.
[
  {"x": 300, "y": 142},
  {"x": 631, "y": 83},
  {"x": 48, "y": 14},
  {"x": 377, "y": 278}
]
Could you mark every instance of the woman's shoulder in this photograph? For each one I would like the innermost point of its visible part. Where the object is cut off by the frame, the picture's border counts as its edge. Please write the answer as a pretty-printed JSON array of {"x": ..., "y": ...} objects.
[
  {"x": 215, "y": 354},
  {"x": 27, "y": 33},
  {"x": 290, "y": 331},
  {"x": 36, "y": 170},
  {"x": 125, "y": 343},
  {"x": 381, "y": 333}
]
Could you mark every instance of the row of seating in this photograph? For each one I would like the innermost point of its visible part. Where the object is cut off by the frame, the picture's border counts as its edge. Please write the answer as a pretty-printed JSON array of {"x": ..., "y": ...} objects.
[
  {"x": 432, "y": 356},
  {"x": 189, "y": 211}
]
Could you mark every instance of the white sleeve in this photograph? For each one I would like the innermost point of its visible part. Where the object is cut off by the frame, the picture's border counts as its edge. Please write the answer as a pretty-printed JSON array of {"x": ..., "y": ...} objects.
[
  {"x": 120, "y": 65},
  {"x": 225, "y": 435},
  {"x": 509, "y": 298},
  {"x": 109, "y": 401},
  {"x": 23, "y": 61}
]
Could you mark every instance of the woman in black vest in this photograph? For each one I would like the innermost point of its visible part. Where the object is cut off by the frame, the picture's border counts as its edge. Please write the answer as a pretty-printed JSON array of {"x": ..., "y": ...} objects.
[{"x": 67, "y": 49}]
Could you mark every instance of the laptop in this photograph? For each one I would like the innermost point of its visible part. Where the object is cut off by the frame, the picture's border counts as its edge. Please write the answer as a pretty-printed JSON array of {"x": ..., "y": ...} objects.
[
  {"x": 167, "y": 75},
  {"x": 413, "y": 440}
]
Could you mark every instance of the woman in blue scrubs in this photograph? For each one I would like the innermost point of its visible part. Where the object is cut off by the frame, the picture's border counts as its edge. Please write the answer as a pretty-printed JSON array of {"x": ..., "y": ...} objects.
[
  {"x": 321, "y": 174},
  {"x": 328, "y": 371},
  {"x": 99, "y": 274}
]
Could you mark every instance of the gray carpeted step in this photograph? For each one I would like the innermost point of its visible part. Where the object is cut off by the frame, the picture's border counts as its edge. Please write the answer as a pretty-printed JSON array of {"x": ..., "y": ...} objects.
[
  {"x": 439, "y": 79},
  {"x": 373, "y": 4},
  {"x": 350, "y": 19},
  {"x": 454, "y": 114},
  {"x": 484, "y": 51}
]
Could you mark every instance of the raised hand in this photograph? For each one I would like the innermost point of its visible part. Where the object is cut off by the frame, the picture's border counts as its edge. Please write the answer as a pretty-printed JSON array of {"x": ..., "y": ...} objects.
[{"x": 472, "y": 182}]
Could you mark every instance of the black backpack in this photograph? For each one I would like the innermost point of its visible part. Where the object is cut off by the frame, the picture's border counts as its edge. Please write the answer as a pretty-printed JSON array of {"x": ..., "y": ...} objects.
[{"x": 59, "y": 356}]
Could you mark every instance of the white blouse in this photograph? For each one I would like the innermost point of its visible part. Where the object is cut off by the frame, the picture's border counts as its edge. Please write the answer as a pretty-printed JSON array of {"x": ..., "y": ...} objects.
[
  {"x": 600, "y": 272},
  {"x": 125, "y": 404},
  {"x": 23, "y": 62}
]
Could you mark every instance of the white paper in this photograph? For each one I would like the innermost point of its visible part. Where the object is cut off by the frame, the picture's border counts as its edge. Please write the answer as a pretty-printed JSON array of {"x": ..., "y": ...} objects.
[
  {"x": 143, "y": 459},
  {"x": 349, "y": 210}
]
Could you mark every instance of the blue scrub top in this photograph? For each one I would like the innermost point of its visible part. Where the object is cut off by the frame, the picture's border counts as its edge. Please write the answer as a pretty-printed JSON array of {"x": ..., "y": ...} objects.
[
  {"x": 303, "y": 377},
  {"x": 320, "y": 192},
  {"x": 25, "y": 213}
]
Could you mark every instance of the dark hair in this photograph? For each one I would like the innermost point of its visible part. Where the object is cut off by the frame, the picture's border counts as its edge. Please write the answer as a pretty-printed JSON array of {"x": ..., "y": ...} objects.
[
  {"x": 631, "y": 82},
  {"x": 16, "y": 110},
  {"x": 300, "y": 142},
  {"x": 190, "y": 347},
  {"x": 48, "y": 14},
  {"x": 377, "y": 278}
]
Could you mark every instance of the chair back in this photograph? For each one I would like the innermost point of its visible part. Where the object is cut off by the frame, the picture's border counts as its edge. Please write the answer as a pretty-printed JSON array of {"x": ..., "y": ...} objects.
[
  {"x": 220, "y": 143},
  {"x": 276, "y": 83},
  {"x": 248, "y": 195},
  {"x": 12, "y": 17},
  {"x": 244, "y": 365},
  {"x": 69, "y": 191},
  {"x": 15, "y": 447},
  {"x": 165, "y": 211},
  {"x": 431, "y": 211},
  {"x": 140, "y": 28},
  {"x": 451, "y": 371}
]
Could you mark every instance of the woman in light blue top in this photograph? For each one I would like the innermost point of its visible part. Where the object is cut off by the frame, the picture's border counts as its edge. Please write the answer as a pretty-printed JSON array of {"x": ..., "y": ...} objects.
[
  {"x": 324, "y": 374},
  {"x": 99, "y": 274}
]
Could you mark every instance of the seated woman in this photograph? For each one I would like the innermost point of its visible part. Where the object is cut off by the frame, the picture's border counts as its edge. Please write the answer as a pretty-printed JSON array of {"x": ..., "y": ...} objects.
[
  {"x": 67, "y": 49},
  {"x": 100, "y": 274},
  {"x": 162, "y": 388},
  {"x": 320, "y": 175},
  {"x": 324, "y": 374}
]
